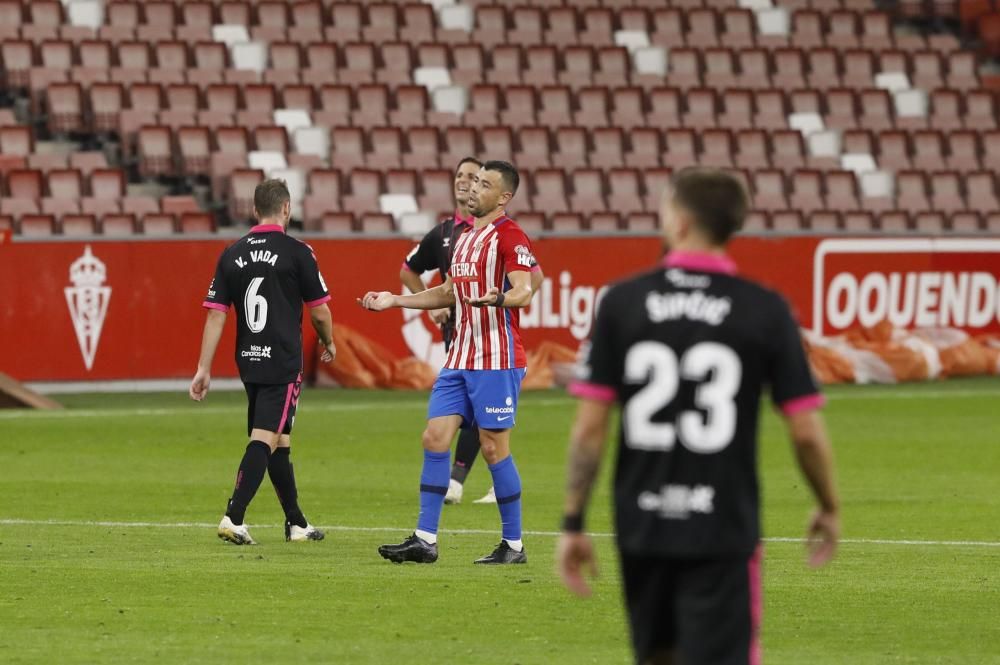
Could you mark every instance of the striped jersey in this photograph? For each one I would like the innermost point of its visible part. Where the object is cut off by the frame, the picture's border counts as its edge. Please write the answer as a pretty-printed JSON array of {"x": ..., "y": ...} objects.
[{"x": 488, "y": 337}]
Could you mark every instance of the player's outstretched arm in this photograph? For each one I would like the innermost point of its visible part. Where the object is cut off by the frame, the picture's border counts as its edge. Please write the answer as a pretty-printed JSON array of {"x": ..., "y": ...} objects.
[
  {"x": 815, "y": 458},
  {"x": 519, "y": 294},
  {"x": 214, "y": 323},
  {"x": 436, "y": 298},
  {"x": 575, "y": 550},
  {"x": 322, "y": 323}
]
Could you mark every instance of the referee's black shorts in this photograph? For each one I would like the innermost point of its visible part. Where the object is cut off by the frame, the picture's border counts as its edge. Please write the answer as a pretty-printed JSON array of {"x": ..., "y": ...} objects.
[
  {"x": 708, "y": 611},
  {"x": 271, "y": 407}
]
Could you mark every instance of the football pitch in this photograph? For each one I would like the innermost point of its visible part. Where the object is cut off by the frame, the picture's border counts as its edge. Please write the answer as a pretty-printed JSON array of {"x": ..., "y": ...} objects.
[{"x": 108, "y": 550}]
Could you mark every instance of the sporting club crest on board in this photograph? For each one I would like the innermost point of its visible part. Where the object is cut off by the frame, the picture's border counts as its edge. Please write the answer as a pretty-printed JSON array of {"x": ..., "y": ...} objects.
[{"x": 88, "y": 300}]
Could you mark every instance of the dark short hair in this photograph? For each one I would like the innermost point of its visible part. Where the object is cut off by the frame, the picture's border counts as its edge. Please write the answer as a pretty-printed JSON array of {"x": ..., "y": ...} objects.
[
  {"x": 508, "y": 174},
  {"x": 468, "y": 160},
  {"x": 716, "y": 200},
  {"x": 269, "y": 196}
]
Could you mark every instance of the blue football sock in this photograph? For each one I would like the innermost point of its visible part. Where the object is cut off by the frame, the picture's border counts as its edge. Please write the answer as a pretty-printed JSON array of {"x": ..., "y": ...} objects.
[
  {"x": 433, "y": 487},
  {"x": 507, "y": 485}
]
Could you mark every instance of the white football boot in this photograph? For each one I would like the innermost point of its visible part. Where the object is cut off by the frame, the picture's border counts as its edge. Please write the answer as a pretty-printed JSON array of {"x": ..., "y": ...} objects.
[
  {"x": 296, "y": 534},
  {"x": 491, "y": 497},
  {"x": 236, "y": 534},
  {"x": 454, "y": 495}
]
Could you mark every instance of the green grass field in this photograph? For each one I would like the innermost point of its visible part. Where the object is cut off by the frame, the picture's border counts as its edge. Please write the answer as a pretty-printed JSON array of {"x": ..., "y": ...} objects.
[{"x": 108, "y": 550}]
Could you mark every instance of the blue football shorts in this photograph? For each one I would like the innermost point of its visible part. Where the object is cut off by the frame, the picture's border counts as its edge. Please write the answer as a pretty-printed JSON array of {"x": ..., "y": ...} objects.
[{"x": 485, "y": 398}]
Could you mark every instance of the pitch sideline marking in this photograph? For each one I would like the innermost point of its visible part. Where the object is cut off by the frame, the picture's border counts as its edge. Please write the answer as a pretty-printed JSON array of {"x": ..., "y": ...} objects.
[
  {"x": 193, "y": 410},
  {"x": 381, "y": 529}
]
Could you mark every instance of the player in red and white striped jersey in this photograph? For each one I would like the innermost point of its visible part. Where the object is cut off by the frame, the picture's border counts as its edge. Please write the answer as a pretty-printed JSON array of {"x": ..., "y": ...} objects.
[{"x": 490, "y": 278}]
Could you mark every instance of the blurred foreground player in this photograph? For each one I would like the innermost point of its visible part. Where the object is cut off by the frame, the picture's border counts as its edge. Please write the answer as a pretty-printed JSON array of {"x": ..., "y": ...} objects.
[
  {"x": 267, "y": 275},
  {"x": 489, "y": 281},
  {"x": 686, "y": 350}
]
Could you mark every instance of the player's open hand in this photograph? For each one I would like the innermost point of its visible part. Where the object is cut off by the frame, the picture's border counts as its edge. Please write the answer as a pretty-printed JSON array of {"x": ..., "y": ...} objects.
[
  {"x": 485, "y": 300},
  {"x": 822, "y": 537},
  {"x": 329, "y": 352},
  {"x": 199, "y": 385},
  {"x": 377, "y": 301},
  {"x": 574, "y": 558}
]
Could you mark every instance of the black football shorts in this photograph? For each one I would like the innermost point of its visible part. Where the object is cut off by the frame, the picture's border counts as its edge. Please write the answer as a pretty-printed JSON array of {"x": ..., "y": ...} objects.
[
  {"x": 707, "y": 611},
  {"x": 271, "y": 407}
]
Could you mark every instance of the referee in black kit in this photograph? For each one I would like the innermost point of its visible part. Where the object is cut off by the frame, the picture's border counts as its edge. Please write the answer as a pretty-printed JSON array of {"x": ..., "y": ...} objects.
[
  {"x": 686, "y": 349},
  {"x": 266, "y": 276},
  {"x": 434, "y": 253}
]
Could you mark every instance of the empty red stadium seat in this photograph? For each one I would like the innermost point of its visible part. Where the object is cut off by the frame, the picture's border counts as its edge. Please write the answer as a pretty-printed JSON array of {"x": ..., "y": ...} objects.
[
  {"x": 79, "y": 225},
  {"x": 197, "y": 222},
  {"x": 242, "y": 184},
  {"x": 578, "y": 66},
  {"x": 588, "y": 192},
  {"x": 387, "y": 148},
  {"x": 498, "y": 143},
  {"x": 373, "y": 106},
  {"x": 535, "y": 148},
  {"x": 624, "y": 194},
  {"x": 159, "y": 224},
  {"x": 24, "y": 184},
  {"x": 437, "y": 194},
  {"x": 645, "y": 149},
  {"x": 65, "y": 184},
  {"x": 16, "y": 140},
  {"x": 36, "y": 226},
  {"x": 629, "y": 111},
  {"x": 911, "y": 191}
]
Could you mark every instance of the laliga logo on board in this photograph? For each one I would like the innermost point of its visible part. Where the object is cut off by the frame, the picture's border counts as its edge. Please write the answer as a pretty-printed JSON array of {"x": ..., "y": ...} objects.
[
  {"x": 571, "y": 307},
  {"x": 88, "y": 300}
]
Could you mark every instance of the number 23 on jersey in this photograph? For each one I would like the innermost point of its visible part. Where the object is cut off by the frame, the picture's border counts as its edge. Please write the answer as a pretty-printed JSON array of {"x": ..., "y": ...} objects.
[{"x": 656, "y": 367}]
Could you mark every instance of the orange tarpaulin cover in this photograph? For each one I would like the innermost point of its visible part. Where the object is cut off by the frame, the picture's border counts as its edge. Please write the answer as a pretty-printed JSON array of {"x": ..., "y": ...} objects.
[
  {"x": 879, "y": 354},
  {"x": 882, "y": 353}
]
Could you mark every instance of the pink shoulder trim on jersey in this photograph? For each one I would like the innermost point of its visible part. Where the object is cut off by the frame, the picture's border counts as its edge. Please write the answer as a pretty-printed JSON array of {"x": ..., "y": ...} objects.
[
  {"x": 701, "y": 262},
  {"x": 805, "y": 403},
  {"x": 214, "y": 305},
  {"x": 406, "y": 266},
  {"x": 268, "y": 228},
  {"x": 318, "y": 301},
  {"x": 594, "y": 391},
  {"x": 536, "y": 268}
]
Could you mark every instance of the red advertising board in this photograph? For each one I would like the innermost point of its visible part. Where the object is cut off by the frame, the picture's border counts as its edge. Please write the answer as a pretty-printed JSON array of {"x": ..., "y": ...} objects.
[
  {"x": 911, "y": 282},
  {"x": 131, "y": 310}
]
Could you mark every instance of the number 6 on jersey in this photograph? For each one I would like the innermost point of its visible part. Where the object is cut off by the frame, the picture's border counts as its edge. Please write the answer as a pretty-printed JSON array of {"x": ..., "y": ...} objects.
[{"x": 255, "y": 306}]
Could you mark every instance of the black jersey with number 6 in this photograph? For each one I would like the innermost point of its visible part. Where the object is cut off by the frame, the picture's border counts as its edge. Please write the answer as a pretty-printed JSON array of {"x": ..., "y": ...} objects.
[
  {"x": 267, "y": 276},
  {"x": 686, "y": 350}
]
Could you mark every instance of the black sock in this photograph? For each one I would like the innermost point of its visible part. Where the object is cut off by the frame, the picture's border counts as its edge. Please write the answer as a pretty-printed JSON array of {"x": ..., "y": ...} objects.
[
  {"x": 465, "y": 454},
  {"x": 283, "y": 479},
  {"x": 248, "y": 479}
]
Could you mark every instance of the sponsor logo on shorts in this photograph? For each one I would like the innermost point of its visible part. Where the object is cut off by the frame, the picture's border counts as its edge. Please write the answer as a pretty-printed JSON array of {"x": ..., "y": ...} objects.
[
  {"x": 496, "y": 410},
  {"x": 677, "y": 502}
]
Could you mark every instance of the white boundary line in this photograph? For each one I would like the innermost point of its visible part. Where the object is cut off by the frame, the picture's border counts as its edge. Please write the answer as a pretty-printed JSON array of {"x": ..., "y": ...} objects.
[
  {"x": 381, "y": 529},
  {"x": 196, "y": 410}
]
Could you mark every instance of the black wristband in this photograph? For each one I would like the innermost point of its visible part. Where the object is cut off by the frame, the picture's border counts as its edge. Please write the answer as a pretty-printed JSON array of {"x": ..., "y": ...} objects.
[
  {"x": 572, "y": 523},
  {"x": 500, "y": 299}
]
